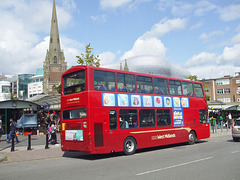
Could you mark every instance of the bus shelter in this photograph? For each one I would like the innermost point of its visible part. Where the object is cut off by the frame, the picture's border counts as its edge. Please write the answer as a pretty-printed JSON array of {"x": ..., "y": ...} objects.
[{"x": 15, "y": 109}]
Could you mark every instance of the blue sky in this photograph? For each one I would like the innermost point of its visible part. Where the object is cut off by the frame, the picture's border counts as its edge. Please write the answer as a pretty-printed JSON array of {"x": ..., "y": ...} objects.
[{"x": 201, "y": 37}]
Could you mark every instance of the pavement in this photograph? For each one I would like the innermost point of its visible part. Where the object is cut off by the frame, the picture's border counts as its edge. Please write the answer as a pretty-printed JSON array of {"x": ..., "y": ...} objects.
[{"x": 38, "y": 151}]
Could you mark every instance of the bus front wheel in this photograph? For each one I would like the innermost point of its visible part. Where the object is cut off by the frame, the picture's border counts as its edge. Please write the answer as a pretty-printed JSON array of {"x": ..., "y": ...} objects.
[
  {"x": 129, "y": 146},
  {"x": 191, "y": 138}
]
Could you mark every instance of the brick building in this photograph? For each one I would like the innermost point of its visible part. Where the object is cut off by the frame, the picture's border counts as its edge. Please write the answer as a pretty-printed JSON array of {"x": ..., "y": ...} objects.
[{"x": 224, "y": 92}]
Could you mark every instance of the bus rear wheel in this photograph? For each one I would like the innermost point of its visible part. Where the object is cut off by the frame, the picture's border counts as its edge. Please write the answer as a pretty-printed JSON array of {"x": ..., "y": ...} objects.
[
  {"x": 129, "y": 146},
  {"x": 191, "y": 138}
]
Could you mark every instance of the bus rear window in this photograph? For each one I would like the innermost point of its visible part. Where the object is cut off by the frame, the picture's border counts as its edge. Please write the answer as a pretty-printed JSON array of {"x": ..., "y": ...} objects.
[
  {"x": 74, "y": 82},
  {"x": 75, "y": 113}
]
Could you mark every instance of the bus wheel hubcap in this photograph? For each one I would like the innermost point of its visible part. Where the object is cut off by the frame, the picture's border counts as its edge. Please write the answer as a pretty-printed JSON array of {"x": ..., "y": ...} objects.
[{"x": 129, "y": 146}]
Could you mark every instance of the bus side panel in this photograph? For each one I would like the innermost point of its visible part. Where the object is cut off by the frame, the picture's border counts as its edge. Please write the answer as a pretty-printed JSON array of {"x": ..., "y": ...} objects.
[
  {"x": 98, "y": 134},
  {"x": 163, "y": 137}
]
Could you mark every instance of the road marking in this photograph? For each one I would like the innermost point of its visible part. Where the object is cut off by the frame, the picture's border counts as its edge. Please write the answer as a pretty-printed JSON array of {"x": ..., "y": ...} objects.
[
  {"x": 235, "y": 152},
  {"x": 174, "y": 166}
]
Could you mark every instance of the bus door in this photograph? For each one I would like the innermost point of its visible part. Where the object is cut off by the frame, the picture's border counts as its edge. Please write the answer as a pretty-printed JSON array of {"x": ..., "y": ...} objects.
[{"x": 113, "y": 132}]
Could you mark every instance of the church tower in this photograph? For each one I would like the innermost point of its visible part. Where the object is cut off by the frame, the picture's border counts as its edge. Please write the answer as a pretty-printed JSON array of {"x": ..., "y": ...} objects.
[{"x": 54, "y": 64}]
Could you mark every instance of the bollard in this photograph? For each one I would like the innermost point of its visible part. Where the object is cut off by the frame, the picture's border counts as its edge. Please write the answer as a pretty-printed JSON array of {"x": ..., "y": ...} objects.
[
  {"x": 221, "y": 126},
  {"x": 29, "y": 142},
  {"x": 46, "y": 146},
  {"x": 13, "y": 135}
]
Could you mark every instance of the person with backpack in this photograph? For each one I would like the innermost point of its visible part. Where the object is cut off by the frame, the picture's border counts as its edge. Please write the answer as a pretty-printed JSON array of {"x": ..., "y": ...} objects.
[{"x": 12, "y": 131}]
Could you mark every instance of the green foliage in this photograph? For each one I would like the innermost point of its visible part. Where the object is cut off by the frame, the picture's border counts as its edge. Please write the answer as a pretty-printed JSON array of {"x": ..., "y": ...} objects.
[
  {"x": 88, "y": 58},
  {"x": 193, "y": 78},
  {"x": 58, "y": 88}
]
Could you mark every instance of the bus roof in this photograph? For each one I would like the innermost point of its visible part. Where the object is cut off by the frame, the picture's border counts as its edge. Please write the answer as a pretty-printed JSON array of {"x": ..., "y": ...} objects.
[{"x": 79, "y": 67}]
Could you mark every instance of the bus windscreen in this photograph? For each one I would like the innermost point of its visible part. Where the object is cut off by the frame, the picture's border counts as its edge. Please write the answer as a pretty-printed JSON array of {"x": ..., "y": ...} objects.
[{"x": 74, "y": 82}]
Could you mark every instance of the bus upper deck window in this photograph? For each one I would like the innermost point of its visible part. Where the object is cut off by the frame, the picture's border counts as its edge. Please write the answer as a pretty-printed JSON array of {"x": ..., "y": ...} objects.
[
  {"x": 198, "y": 90},
  {"x": 104, "y": 81},
  {"x": 175, "y": 87},
  {"x": 187, "y": 88}
]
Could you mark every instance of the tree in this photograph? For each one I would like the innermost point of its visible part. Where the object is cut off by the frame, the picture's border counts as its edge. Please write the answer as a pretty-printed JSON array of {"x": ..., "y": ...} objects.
[
  {"x": 58, "y": 88},
  {"x": 193, "y": 78},
  {"x": 88, "y": 58}
]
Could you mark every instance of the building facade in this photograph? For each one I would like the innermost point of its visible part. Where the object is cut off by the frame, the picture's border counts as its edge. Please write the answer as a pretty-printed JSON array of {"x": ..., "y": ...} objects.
[
  {"x": 225, "y": 89},
  {"x": 35, "y": 87},
  {"x": 23, "y": 81},
  {"x": 54, "y": 64}
]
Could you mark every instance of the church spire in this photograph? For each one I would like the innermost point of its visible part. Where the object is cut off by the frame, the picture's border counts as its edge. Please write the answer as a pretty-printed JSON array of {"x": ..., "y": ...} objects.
[
  {"x": 54, "y": 44},
  {"x": 54, "y": 64},
  {"x": 126, "y": 66}
]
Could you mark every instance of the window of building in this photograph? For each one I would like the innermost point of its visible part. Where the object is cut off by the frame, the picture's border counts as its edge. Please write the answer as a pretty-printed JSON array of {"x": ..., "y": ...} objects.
[
  {"x": 163, "y": 117},
  {"x": 104, "y": 80},
  {"x": 113, "y": 119},
  {"x": 126, "y": 82},
  {"x": 175, "y": 87},
  {"x": 55, "y": 59},
  {"x": 238, "y": 99},
  {"x": 222, "y": 81},
  {"x": 225, "y": 99},
  {"x": 144, "y": 84},
  {"x": 187, "y": 88},
  {"x": 223, "y": 91},
  {"x": 147, "y": 117},
  {"x": 219, "y": 91},
  {"x": 198, "y": 90},
  {"x": 238, "y": 81},
  {"x": 5, "y": 89},
  {"x": 160, "y": 86},
  {"x": 128, "y": 118}
]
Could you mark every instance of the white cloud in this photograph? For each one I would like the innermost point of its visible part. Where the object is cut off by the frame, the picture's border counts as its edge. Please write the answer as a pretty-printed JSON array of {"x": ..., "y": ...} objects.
[
  {"x": 236, "y": 39},
  {"x": 105, "y": 4},
  {"x": 200, "y": 59},
  {"x": 197, "y": 25},
  {"x": 107, "y": 58},
  {"x": 210, "y": 65},
  {"x": 165, "y": 26},
  {"x": 230, "y": 12},
  {"x": 21, "y": 48},
  {"x": 150, "y": 46},
  {"x": 101, "y": 18},
  {"x": 202, "y": 7},
  {"x": 230, "y": 55},
  {"x": 206, "y": 37},
  {"x": 183, "y": 8},
  {"x": 71, "y": 49},
  {"x": 213, "y": 71}
]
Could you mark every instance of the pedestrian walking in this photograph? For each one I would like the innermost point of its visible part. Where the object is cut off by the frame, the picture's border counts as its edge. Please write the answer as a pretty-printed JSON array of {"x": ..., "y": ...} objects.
[
  {"x": 53, "y": 134},
  {"x": 12, "y": 131}
]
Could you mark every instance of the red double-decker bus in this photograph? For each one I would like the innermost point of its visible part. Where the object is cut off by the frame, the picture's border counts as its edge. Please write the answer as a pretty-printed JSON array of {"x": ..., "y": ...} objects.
[{"x": 106, "y": 110}]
